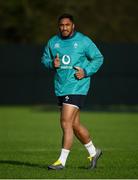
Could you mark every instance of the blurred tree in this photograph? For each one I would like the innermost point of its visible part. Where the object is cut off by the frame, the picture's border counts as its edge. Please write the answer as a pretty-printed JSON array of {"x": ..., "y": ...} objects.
[{"x": 34, "y": 21}]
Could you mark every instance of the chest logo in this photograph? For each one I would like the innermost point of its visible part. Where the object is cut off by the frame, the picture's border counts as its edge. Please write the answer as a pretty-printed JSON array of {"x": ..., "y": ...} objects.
[
  {"x": 75, "y": 45},
  {"x": 66, "y": 59}
]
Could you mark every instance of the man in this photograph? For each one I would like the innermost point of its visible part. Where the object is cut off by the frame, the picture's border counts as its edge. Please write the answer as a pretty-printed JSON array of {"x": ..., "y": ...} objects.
[{"x": 75, "y": 58}]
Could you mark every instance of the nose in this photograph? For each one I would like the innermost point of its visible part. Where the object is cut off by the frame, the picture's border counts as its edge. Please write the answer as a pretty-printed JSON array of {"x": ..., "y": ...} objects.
[{"x": 64, "y": 27}]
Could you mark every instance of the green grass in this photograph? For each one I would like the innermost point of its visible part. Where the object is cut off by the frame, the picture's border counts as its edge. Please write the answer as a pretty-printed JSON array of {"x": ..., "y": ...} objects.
[{"x": 30, "y": 139}]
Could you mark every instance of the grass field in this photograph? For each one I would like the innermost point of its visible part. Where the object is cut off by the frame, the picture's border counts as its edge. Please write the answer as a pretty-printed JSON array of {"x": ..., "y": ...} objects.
[{"x": 30, "y": 140}]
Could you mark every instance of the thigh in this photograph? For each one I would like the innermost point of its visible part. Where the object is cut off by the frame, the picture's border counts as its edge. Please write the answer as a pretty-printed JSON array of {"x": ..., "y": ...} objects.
[
  {"x": 68, "y": 113},
  {"x": 76, "y": 121}
]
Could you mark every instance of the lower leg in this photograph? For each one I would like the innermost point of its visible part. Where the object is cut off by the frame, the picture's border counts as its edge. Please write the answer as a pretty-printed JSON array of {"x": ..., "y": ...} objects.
[
  {"x": 83, "y": 135},
  {"x": 68, "y": 114},
  {"x": 67, "y": 138}
]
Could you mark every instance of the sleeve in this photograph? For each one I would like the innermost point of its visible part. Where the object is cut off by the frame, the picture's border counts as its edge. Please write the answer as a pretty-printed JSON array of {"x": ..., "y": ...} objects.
[
  {"x": 47, "y": 58},
  {"x": 95, "y": 59}
]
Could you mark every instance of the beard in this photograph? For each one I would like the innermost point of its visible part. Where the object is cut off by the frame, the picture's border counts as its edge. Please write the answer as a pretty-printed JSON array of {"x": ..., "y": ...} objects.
[{"x": 66, "y": 34}]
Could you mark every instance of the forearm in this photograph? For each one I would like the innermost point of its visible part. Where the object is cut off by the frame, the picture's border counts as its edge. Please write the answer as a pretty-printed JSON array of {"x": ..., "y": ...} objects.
[
  {"x": 47, "y": 62},
  {"x": 93, "y": 66}
]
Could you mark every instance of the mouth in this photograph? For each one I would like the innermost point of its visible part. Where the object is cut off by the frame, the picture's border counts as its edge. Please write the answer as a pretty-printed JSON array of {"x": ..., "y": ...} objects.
[{"x": 64, "y": 31}]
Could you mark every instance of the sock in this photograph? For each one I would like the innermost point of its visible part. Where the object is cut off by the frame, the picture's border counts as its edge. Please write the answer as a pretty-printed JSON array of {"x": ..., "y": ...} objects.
[
  {"x": 91, "y": 149},
  {"x": 63, "y": 156}
]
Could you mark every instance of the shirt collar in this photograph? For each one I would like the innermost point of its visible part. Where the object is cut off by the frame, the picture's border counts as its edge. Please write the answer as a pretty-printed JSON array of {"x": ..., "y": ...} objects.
[{"x": 70, "y": 37}]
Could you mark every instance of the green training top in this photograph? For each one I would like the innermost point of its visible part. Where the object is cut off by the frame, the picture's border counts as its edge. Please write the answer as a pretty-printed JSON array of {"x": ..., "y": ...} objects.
[{"x": 77, "y": 50}]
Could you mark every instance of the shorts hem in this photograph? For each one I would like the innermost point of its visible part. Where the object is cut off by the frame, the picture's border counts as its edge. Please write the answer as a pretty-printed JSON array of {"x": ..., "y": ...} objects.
[{"x": 72, "y": 105}]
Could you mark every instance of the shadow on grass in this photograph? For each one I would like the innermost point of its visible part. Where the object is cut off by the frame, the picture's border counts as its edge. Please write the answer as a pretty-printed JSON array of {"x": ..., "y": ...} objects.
[
  {"x": 13, "y": 162},
  {"x": 28, "y": 164},
  {"x": 82, "y": 167}
]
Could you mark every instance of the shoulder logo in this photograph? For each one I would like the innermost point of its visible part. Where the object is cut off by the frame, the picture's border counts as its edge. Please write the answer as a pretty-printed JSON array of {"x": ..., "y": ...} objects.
[
  {"x": 75, "y": 45},
  {"x": 57, "y": 45}
]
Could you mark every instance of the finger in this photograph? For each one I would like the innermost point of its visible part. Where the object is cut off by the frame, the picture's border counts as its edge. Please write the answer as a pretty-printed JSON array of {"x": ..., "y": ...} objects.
[
  {"x": 57, "y": 60},
  {"x": 57, "y": 55},
  {"x": 77, "y": 75},
  {"x": 77, "y": 68}
]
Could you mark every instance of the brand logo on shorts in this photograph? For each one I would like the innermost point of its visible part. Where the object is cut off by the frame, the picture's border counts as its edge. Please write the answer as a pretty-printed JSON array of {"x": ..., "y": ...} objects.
[{"x": 66, "y": 98}]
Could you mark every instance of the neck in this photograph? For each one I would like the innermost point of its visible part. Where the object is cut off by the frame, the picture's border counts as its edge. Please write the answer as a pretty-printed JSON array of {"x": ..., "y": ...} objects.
[{"x": 67, "y": 37}]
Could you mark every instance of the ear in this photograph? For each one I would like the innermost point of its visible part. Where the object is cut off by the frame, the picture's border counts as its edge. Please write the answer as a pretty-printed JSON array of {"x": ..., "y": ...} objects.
[{"x": 73, "y": 26}]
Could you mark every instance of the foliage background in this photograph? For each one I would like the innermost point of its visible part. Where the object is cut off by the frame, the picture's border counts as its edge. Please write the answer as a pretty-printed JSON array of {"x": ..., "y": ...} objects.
[{"x": 34, "y": 21}]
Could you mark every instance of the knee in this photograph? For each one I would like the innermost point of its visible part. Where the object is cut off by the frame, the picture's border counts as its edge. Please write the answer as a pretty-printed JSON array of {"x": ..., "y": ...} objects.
[{"x": 66, "y": 124}]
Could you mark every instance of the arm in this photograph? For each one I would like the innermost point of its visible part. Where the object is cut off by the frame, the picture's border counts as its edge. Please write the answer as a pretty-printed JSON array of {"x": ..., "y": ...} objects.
[
  {"x": 95, "y": 59},
  {"x": 47, "y": 58}
]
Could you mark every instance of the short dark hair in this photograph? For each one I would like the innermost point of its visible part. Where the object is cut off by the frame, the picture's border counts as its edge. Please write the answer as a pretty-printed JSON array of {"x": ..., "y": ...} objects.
[{"x": 66, "y": 15}]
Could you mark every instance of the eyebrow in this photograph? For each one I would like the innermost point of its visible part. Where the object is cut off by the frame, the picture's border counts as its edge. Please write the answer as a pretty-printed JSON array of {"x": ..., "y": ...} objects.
[{"x": 64, "y": 23}]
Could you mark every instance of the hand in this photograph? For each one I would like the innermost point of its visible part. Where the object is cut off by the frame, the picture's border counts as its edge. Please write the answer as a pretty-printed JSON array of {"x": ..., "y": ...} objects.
[
  {"x": 56, "y": 61},
  {"x": 80, "y": 73}
]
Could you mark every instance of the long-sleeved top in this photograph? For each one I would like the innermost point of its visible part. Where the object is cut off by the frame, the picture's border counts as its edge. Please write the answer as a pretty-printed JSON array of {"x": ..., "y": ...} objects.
[{"x": 76, "y": 51}]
